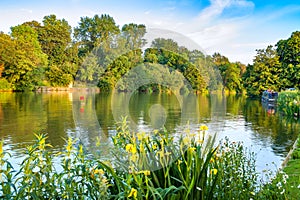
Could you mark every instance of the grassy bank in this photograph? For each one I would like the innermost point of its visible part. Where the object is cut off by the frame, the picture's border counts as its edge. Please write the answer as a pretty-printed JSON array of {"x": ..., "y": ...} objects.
[
  {"x": 293, "y": 170},
  {"x": 152, "y": 165}
]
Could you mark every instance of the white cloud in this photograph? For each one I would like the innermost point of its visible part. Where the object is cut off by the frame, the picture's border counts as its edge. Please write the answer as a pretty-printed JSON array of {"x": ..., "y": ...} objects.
[
  {"x": 217, "y": 7},
  {"x": 26, "y": 10},
  {"x": 147, "y": 12},
  {"x": 214, "y": 33}
]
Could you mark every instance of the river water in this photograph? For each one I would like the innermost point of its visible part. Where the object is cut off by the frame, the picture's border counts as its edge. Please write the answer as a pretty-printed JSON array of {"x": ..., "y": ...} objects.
[{"x": 87, "y": 115}]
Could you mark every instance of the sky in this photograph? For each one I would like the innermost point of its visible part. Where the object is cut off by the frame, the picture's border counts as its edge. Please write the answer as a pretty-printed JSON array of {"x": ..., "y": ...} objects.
[{"x": 234, "y": 28}]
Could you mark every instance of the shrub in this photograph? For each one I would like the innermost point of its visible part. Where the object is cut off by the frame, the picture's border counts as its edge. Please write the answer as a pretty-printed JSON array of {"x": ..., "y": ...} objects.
[{"x": 4, "y": 84}]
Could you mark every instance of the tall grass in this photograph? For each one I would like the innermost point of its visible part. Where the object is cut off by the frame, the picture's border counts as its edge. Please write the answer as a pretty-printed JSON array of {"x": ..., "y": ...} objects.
[
  {"x": 152, "y": 165},
  {"x": 289, "y": 103}
]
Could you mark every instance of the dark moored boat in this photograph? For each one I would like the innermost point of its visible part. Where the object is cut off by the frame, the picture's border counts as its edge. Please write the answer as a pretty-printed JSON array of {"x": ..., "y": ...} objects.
[{"x": 269, "y": 96}]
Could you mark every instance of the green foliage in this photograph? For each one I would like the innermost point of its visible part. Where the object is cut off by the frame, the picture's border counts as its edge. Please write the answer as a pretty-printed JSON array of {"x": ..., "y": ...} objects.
[
  {"x": 92, "y": 31},
  {"x": 289, "y": 103},
  {"x": 151, "y": 77},
  {"x": 61, "y": 76},
  {"x": 119, "y": 67},
  {"x": 100, "y": 58},
  {"x": 275, "y": 68},
  {"x": 264, "y": 73},
  {"x": 152, "y": 165},
  {"x": 288, "y": 51},
  {"x": 134, "y": 34},
  {"x": 39, "y": 179},
  {"x": 47, "y": 53},
  {"x": 231, "y": 73},
  {"x": 292, "y": 169},
  {"x": 237, "y": 169},
  {"x": 21, "y": 56},
  {"x": 4, "y": 84},
  {"x": 55, "y": 38},
  {"x": 167, "y": 44},
  {"x": 177, "y": 62}
]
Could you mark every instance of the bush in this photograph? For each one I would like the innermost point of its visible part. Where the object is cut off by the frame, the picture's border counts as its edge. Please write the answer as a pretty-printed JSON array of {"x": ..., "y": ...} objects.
[{"x": 4, "y": 84}]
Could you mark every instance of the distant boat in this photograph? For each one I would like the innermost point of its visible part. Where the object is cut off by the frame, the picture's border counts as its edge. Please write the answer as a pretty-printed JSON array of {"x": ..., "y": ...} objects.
[{"x": 269, "y": 96}]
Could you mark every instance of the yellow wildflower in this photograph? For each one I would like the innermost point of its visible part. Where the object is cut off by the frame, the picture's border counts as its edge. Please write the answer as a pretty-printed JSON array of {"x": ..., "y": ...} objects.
[
  {"x": 142, "y": 149},
  {"x": 130, "y": 148},
  {"x": 140, "y": 136},
  {"x": 186, "y": 140},
  {"x": 1, "y": 148},
  {"x": 80, "y": 149},
  {"x": 98, "y": 142},
  {"x": 213, "y": 171},
  {"x": 162, "y": 154},
  {"x": 179, "y": 162},
  {"x": 104, "y": 181},
  {"x": 99, "y": 171},
  {"x": 68, "y": 148},
  {"x": 145, "y": 172},
  {"x": 199, "y": 141},
  {"x": 134, "y": 158},
  {"x": 218, "y": 156},
  {"x": 154, "y": 146},
  {"x": 191, "y": 149},
  {"x": 203, "y": 128},
  {"x": 133, "y": 193}
]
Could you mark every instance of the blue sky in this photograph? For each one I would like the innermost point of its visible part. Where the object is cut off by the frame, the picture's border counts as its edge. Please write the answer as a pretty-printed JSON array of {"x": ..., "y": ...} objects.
[{"x": 235, "y": 28}]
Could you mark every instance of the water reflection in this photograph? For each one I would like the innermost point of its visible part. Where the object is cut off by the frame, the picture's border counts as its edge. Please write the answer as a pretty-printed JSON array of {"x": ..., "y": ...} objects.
[{"x": 89, "y": 115}]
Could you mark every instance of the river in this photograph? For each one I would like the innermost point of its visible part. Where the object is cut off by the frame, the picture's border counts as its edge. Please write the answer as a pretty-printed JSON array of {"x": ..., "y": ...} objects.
[{"x": 87, "y": 115}]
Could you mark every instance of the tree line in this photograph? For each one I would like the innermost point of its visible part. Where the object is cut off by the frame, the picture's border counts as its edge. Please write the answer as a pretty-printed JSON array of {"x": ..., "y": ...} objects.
[
  {"x": 98, "y": 52},
  {"x": 276, "y": 67}
]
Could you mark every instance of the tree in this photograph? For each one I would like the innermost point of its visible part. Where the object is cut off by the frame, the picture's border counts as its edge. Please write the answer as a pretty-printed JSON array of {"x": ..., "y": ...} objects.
[
  {"x": 264, "y": 73},
  {"x": 55, "y": 39},
  {"x": 22, "y": 57},
  {"x": 289, "y": 55},
  {"x": 92, "y": 31},
  {"x": 134, "y": 34},
  {"x": 177, "y": 62},
  {"x": 119, "y": 67},
  {"x": 167, "y": 44},
  {"x": 87, "y": 73},
  {"x": 230, "y": 72}
]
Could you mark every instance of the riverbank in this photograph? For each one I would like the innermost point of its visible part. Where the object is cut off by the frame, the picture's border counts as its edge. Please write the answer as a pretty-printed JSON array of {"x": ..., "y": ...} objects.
[
  {"x": 69, "y": 89},
  {"x": 57, "y": 89},
  {"x": 292, "y": 169}
]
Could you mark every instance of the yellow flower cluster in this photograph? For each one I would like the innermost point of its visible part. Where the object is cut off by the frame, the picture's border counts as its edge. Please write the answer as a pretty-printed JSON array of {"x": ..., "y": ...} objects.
[
  {"x": 145, "y": 172},
  {"x": 203, "y": 128},
  {"x": 133, "y": 193},
  {"x": 213, "y": 171},
  {"x": 130, "y": 148}
]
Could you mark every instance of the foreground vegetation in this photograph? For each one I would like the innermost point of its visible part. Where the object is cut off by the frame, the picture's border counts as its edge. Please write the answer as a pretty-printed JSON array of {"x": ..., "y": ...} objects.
[
  {"x": 146, "y": 166},
  {"x": 293, "y": 171},
  {"x": 289, "y": 103}
]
